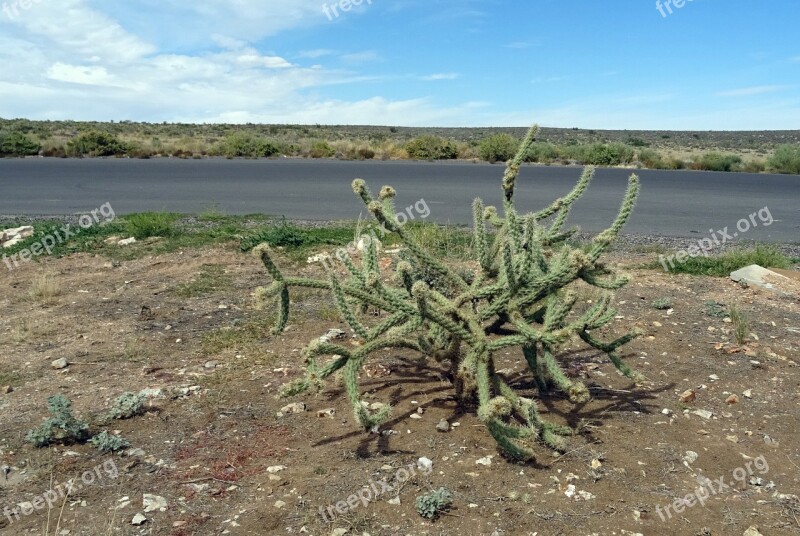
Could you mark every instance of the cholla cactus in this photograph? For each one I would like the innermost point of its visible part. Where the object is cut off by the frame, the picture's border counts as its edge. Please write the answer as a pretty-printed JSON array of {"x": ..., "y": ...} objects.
[{"x": 519, "y": 296}]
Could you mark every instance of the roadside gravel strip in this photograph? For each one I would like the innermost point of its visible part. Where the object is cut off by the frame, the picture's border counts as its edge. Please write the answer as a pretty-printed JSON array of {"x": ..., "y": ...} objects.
[{"x": 633, "y": 243}]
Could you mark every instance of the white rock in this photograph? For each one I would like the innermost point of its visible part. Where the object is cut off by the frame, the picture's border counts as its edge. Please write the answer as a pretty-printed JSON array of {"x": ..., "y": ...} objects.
[
  {"x": 748, "y": 393},
  {"x": 276, "y": 469},
  {"x": 704, "y": 413},
  {"x": 279, "y": 504},
  {"x": 339, "y": 532},
  {"x": 294, "y": 407},
  {"x": 690, "y": 456},
  {"x": 138, "y": 519},
  {"x": 487, "y": 461},
  {"x": 752, "y": 531},
  {"x": 60, "y": 363},
  {"x": 151, "y": 503},
  {"x": 425, "y": 464},
  {"x": 395, "y": 501}
]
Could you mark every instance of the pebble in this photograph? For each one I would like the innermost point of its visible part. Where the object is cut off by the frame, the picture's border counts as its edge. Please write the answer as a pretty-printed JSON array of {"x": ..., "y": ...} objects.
[
  {"x": 138, "y": 519},
  {"x": 276, "y": 469},
  {"x": 152, "y": 503},
  {"x": 688, "y": 396},
  {"x": 443, "y": 426},
  {"x": 279, "y": 504},
  {"x": 329, "y": 412},
  {"x": 211, "y": 364},
  {"x": 294, "y": 407},
  {"x": 487, "y": 461},
  {"x": 425, "y": 464},
  {"x": 752, "y": 531},
  {"x": 733, "y": 399},
  {"x": 704, "y": 413},
  {"x": 60, "y": 363},
  {"x": 7, "y": 389},
  {"x": 748, "y": 393}
]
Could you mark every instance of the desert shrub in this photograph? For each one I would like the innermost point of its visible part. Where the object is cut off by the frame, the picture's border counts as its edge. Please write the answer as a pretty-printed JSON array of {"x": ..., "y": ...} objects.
[
  {"x": 95, "y": 144},
  {"x": 606, "y": 154},
  {"x": 60, "y": 427},
  {"x": 127, "y": 405},
  {"x": 246, "y": 146},
  {"x": 719, "y": 162},
  {"x": 17, "y": 144},
  {"x": 662, "y": 304},
  {"x": 520, "y": 290},
  {"x": 755, "y": 166},
  {"x": 146, "y": 224},
  {"x": 542, "y": 152},
  {"x": 651, "y": 159},
  {"x": 431, "y": 148},
  {"x": 105, "y": 442},
  {"x": 321, "y": 149},
  {"x": 636, "y": 142},
  {"x": 431, "y": 505},
  {"x": 786, "y": 160},
  {"x": 498, "y": 148}
]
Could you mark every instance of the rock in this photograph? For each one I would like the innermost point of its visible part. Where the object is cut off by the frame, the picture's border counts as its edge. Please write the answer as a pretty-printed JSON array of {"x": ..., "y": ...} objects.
[
  {"x": 6, "y": 389},
  {"x": 752, "y": 531},
  {"x": 425, "y": 464},
  {"x": 596, "y": 464},
  {"x": 276, "y": 469},
  {"x": 748, "y": 393},
  {"x": 338, "y": 532},
  {"x": 443, "y": 426},
  {"x": 333, "y": 334},
  {"x": 733, "y": 399},
  {"x": 688, "y": 396},
  {"x": 138, "y": 519},
  {"x": 13, "y": 236},
  {"x": 152, "y": 393},
  {"x": 60, "y": 363},
  {"x": 704, "y": 413},
  {"x": 763, "y": 278},
  {"x": 415, "y": 416},
  {"x": 151, "y": 503},
  {"x": 487, "y": 461},
  {"x": 290, "y": 409},
  {"x": 330, "y": 412},
  {"x": 690, "y": 457},
  {"x": 127, "y": 241},
  {"x": 395, "y": 501},
  {"x": 113, "y": 239},
  {"x": 211, "y": 364},
  {"x": 666, "y": 411},
  {"x": 279, "y": 504}
]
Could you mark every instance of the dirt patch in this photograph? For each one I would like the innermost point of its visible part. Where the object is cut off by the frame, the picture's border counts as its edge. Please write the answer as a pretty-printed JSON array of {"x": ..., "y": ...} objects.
[{"x": 210, "y": 443}]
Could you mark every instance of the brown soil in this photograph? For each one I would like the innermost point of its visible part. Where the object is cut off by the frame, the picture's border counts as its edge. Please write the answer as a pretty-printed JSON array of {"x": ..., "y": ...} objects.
[{"x": 207, "y": 449}]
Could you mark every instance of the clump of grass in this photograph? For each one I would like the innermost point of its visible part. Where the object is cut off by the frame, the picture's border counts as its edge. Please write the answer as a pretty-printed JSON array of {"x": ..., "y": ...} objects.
[
  {"x": 212, "y": 278},
  {"x": 45, "y": 288},
  {"x": 291, "y": 236},
  {"x": 662, "y": 304},
  {"x": 146, "y": 224},
  {"x": 741, "y": 324},
  {"x": 431, "y": 505},
  {"x": 249, "y": 334},
  {"x": 61, "y": 427},
  {"x": 730, "y": 261}
]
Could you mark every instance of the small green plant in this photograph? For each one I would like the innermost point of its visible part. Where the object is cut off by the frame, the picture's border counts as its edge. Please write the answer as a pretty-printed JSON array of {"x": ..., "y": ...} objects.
[
  {"x": 241, "y": 145},
  {"x": 786, "y": 160},
  {"x": 719, "y": 162},
  {"x": 321, "y": 149},
  {"x": 723, "y": 264},
  {"x": 498, "y": 148},
  {"x": 146, "y": 224},
  {"x": 662, "y": 304},
  {"x": 127, "y": 405},
  {"x": 212, "y": 278},
  {"x": 741, "y": 324},
  {"x": 105, "y": 442},
  {"x": 431, "y": 505},
  {"x": 715, "y": 309},
  {"x": 60, "y": 427}
]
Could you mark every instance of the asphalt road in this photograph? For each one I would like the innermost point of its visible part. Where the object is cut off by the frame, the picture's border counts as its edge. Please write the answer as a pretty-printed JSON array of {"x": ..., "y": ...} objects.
[{"x": 672, "y": 203}]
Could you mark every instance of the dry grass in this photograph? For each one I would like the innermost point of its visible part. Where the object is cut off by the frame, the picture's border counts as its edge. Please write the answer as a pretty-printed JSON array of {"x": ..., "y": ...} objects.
[{"x": 45, "y": 288}]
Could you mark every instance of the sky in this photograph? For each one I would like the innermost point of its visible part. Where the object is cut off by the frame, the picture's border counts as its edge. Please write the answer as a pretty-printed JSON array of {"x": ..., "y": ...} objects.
[{"x": 604, "y": 64}]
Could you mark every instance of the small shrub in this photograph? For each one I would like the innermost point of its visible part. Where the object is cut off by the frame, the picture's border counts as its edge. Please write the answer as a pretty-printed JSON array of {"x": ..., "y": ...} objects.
[
  {"x": 498, "y": 148},
  {"x": 755, "y": 166},
  {"x": 715, "y": 309},
  {"x": 431, "y": 505},
  {"x": 651, "y": 159},
  {"x": 604, "y": 154},
  {"x": 147, "y": 224},
  {"x": 105, "y": 442},
  {"x": 542, "y": 152},
  {"x": 17, "y": 144},
  {"x": 321, "y": 149},
  {"x": 127, "y": 405},
  {"x": 45, "y": 288},
  {"x": 719, "y": 162},
  {"x": 96, "y": 144},
  {"x": 786, "y": 160},
  {"x": 61, "y": 427},
  {"x": 431, "y": 148},
  {"x": 246, "y": 146},
  {"x": 662, "y": 304}
]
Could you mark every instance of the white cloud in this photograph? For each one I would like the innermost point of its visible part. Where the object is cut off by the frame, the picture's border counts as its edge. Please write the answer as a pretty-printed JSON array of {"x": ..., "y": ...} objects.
[
  {"x": 440, "y": 76},
  {"x": 750, "y": 91}
]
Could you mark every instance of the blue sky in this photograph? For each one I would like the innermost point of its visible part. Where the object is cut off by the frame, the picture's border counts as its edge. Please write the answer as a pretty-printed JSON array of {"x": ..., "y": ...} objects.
[{"x": 708, "y": 65}]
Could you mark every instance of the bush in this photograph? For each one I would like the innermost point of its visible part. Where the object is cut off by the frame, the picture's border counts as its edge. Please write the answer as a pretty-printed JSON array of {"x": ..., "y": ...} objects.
[
  {"x": 127, "y": 405},
  {"x": 430, "y": 506},
  {"x": 105, "y": 442},
  {"x": 245, "y": 146},
  {"x": 542, "y": 152},
  {"x": 17, "y": 144},
  {"x": 719, "y": 162},
  {"x": 498, "y": 148},
  {"x": 95, "y": 144},
  {"x": 651, "y": 159},
  {"x": 755, "y": 166},
  {"x": 321, "y": 149},
  {"x": 786, "y": 160},
  {"x": 147, "y": 224},
  {"x": 62, "y": 426},
  {"x": 607, "y": 154},
  {"x": 431, "y": 148}
]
